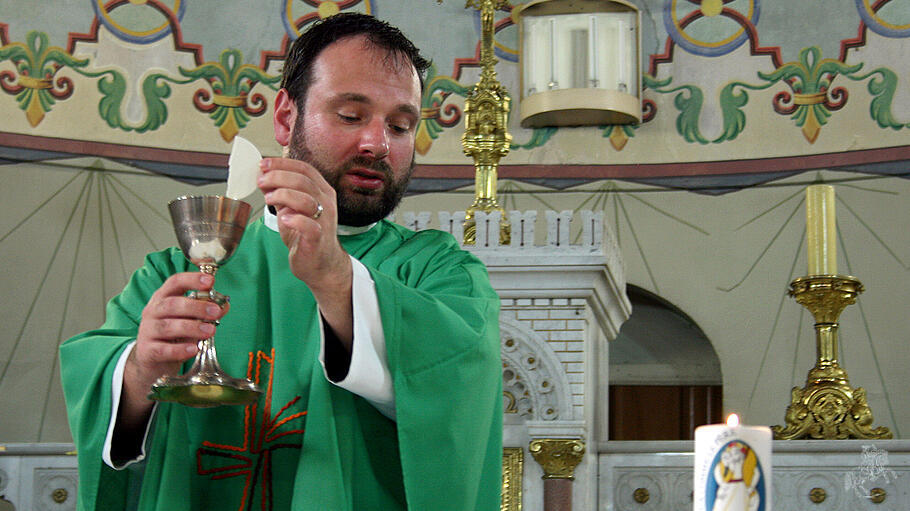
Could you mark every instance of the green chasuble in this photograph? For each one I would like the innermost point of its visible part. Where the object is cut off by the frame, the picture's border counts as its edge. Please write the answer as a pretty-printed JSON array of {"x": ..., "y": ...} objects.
[{"x": 307, "y": 444}]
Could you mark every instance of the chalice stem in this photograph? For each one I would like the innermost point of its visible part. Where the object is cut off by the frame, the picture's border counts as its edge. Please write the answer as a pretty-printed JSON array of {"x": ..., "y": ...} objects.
[{"x": 206, "y": 361}]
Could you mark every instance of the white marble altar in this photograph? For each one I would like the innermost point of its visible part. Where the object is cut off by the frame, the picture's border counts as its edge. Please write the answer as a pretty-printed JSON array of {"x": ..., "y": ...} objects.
[
  {"x": 818, "y": 475},
  {"x": 38, "y": 477}
]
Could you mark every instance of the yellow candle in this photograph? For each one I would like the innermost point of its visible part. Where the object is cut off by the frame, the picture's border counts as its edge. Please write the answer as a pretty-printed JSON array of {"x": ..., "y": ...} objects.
[{"x": 821, "y": 230}]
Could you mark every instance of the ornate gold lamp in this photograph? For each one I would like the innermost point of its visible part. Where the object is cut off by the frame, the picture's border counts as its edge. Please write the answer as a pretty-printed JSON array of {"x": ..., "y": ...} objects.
[
  {"x": 486, "y": 138},
  {"x": 827, "y": 407}
]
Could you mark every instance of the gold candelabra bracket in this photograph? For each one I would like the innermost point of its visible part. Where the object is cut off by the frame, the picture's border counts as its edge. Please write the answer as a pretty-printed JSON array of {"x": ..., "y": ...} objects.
[
  {"x": 827, "y": 407},
  {"x": 557, "y": 456}
]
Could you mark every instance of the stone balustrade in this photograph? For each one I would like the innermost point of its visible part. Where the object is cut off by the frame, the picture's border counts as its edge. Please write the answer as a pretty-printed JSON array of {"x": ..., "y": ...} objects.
[{"x": 590, "y": 234}]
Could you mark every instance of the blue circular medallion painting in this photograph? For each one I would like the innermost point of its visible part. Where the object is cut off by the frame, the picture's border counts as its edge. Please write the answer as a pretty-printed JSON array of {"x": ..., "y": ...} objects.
[{"x": 736, "y": 480}]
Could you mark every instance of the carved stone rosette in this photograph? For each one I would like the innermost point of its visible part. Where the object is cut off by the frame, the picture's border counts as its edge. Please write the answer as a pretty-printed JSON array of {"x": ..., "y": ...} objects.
[
  {"x": 827, "y": 407},
  {"x": 486, "y": 138},
  {"x": 557, "y": 456}
]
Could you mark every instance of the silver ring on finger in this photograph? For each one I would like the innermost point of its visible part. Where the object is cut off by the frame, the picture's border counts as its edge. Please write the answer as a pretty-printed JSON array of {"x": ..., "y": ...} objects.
[{"x": 319, "y": 210}]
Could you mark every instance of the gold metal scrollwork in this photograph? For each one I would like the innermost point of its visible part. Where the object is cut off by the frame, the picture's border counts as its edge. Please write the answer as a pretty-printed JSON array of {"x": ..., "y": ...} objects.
[
  {"x": 817, "y": 495},
  {"x": 641, "y": 495},
  {"x": 512, "y": 468},
  {"x": 60, "y": 495},
  {"x": 510, "y": 405}
]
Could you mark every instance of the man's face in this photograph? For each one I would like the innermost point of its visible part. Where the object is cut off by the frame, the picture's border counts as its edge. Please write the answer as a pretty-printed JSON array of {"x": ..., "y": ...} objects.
[{"x": 358, "y": 127}]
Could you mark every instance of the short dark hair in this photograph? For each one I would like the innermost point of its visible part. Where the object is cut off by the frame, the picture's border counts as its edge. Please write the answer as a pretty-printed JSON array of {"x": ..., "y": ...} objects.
[{"x": 297, "y": 75}]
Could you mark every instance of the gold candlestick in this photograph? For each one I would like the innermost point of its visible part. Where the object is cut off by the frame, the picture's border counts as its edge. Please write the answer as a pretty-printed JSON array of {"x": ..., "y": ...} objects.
[
  {"x": 827, "y": 407},
  {"x": 486, "y": 138}
]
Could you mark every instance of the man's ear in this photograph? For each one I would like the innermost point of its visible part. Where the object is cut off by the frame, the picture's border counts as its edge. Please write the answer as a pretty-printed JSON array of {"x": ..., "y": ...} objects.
[{"x": 284, "y": 118}]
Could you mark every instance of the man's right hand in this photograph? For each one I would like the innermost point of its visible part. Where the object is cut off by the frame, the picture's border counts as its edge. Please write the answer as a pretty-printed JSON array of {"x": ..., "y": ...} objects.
[{"x": 169, "y": 331}]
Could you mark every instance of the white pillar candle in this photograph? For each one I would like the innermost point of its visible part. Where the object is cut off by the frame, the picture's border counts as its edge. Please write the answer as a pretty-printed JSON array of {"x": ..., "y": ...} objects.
[{"x": 732, "y": 467}]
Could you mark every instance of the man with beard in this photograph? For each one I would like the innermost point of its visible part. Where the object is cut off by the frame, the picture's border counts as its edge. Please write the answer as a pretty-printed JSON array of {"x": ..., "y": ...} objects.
[{"x": 377, "y": 348}]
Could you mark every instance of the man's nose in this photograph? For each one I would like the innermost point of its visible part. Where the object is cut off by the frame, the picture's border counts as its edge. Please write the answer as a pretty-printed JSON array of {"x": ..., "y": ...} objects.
[{"x": 374, "y": 139}]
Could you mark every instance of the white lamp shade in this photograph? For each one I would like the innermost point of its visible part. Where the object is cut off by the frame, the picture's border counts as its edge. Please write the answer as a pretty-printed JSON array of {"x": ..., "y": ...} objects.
[{"x": 579, "y": 63}]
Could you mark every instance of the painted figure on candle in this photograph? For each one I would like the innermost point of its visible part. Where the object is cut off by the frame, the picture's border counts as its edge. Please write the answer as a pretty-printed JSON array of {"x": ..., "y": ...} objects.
[{"x": 736, "y": 485}]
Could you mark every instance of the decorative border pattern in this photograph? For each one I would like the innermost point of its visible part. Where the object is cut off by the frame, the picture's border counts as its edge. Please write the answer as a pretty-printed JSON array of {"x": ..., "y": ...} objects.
[{"x": 512, "y": 475}]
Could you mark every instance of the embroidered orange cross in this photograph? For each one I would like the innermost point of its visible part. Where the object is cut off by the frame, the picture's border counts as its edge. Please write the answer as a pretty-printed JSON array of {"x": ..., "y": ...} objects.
[{"x": 252, "y": 460}]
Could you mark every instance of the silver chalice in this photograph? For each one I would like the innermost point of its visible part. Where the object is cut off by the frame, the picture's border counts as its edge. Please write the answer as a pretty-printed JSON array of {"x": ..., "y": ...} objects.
[{"x": 209, "y": 229}]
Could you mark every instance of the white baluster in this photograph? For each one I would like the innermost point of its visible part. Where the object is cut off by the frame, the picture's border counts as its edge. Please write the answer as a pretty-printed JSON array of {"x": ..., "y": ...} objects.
[
  {"x": 416, "y": 221},
  {"x": 592, "y": 228},
  {"x": 487, "y": 233},
  {"x": 523, "y": 228},
  {"x": 452, "y": 223},
  {"x": 558, "y": 228}
]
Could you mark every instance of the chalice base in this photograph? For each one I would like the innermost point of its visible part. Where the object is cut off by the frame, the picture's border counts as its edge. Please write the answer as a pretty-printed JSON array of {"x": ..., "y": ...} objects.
[{"x": 205, "y": 391}]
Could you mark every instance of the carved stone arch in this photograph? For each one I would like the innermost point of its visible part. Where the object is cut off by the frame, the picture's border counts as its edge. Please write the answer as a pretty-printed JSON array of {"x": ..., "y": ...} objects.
[{"x": 535, "y": 386}]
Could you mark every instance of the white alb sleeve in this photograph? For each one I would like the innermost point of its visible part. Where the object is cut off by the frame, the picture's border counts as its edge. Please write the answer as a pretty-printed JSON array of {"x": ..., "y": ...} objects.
[
  {"x": 116, "y": 390},
  {"x": 368, "y": 375}
]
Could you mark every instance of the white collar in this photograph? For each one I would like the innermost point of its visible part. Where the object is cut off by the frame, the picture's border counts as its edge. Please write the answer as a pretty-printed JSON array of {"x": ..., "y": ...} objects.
[
  {"x": 271, "y": 221},
  {"x": 350, "y": 230}
]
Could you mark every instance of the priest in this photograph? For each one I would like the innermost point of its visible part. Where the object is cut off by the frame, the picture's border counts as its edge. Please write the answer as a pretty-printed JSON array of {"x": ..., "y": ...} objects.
[{"x": 376, "y": 347}]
